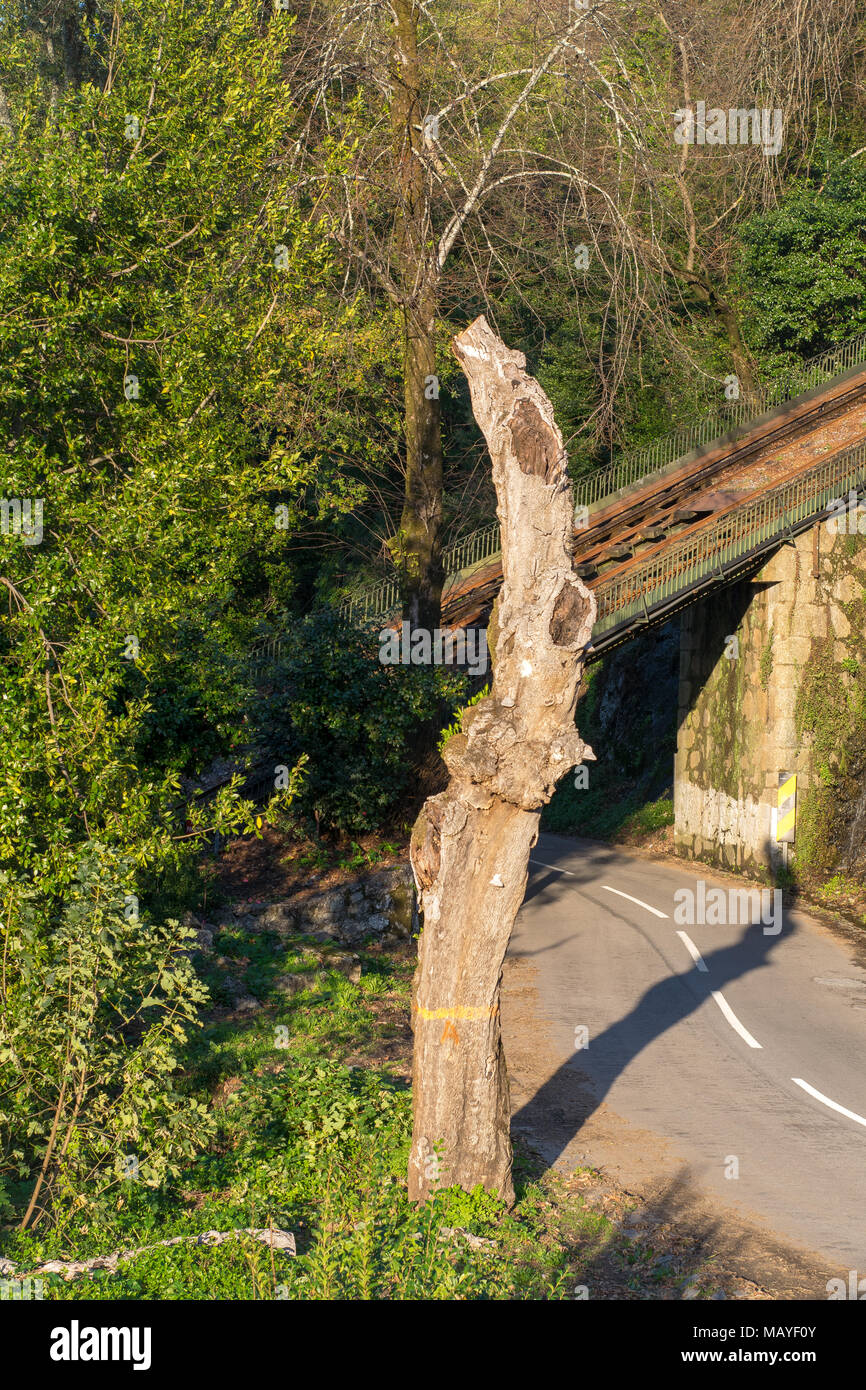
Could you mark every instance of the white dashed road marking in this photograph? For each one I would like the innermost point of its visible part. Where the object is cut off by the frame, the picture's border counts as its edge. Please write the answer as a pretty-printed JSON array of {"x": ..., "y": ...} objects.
[
  {"x": 699, "y": 962},
  {"x": 825, "y": 1100},
  {"x": 693, "y": 951},
  {"x": 541, "y": 864},
  {"x": 653, "y": 910},
  {"x": 733, "y": 1020}
]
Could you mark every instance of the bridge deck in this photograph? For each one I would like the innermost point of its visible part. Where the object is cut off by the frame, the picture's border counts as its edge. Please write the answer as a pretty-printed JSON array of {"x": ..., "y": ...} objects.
[
  {"x": 632, "y": 536},
  {"x": 664, "y": 525}
]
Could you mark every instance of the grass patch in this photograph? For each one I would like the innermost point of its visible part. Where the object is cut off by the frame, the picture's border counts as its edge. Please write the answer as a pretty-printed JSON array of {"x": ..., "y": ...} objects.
[
  {"x": 310, "y": 1096},
  {"x": 309, "y": 1143},
  {"x": 604, "y": 813},
  {"x": 655, "y": 815}
]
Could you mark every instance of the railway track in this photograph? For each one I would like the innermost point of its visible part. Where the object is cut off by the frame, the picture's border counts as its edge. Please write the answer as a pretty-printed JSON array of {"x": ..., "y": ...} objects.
[
  {"x": 638, "y": 511},
  {"x": 626, "y": 535}
]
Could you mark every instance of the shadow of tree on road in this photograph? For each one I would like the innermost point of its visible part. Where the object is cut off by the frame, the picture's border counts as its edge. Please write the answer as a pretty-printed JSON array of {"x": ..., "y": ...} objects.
[{"x": 578, "y": 1087}]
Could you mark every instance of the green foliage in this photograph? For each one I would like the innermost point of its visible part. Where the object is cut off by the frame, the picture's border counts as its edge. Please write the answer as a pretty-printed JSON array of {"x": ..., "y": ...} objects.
[
  {"x": 603, "y": 812},
  {"x": 456, "y": 726},
  {"x": 765, "y": 666},
  {"x": 838, "y": 884},
  {"x": 151, "y": 257},
  {"x": 360, "y": 858},
  {"x": 122, "y": 627},
  {"x": 627, "y": 788},
  {"x": 655, "y": 815},
  {"x": 97, "y": 1002},
  {"x": 830, "y": 716},
  {"x": 355, "y": 718},
  {"x": 802, "y": 270},
  {"x": 299, "y": 1139}
]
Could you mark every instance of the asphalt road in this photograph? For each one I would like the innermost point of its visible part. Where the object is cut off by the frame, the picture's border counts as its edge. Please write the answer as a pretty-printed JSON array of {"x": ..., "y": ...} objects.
[{"x": 729, "y": 1042}]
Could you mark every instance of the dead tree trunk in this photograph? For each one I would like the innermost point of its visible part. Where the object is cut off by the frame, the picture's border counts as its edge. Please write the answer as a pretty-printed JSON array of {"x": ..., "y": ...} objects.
[{"x": 471, "y": 843}]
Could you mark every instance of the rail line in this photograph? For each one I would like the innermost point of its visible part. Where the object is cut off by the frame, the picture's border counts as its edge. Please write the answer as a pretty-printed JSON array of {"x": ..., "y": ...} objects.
[{"x": 662, "y": 526}]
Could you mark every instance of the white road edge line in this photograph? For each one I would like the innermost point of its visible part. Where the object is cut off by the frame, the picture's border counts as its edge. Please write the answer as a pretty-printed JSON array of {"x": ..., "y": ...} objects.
[
  {"x": 556, "y": 869},
  {"x": 693, "y": 951},
  {"x": 825, "y": 1100},
  {"x": 653, "y": 910},
  {"x": 733, "y": 1020}
]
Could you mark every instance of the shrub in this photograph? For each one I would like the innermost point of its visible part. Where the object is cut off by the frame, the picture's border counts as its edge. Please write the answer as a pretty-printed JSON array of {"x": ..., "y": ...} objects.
[
  {"x": 456, "y": 726},
  {"x": 95, "y": 1004},
  {"x": 356, "y": 719}
]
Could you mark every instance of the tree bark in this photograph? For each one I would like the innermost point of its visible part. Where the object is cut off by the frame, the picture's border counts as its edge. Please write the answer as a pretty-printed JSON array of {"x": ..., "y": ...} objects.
[
  {"x": 417, "y": 546},
  {"x": 710, "y": 295},
  {"x": 471, "y": 843}
]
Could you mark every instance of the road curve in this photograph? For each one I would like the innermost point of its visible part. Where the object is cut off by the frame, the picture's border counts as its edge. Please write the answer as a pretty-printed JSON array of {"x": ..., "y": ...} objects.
[{"x": 729, "y": 1042}]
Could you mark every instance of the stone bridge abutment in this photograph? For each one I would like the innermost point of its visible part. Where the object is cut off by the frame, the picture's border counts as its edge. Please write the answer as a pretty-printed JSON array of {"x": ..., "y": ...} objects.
[{"x": 772, "y": 680}]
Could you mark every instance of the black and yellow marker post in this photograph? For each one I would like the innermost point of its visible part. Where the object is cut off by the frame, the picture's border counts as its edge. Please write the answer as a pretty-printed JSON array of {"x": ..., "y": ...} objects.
[{"x": 786, "y": 812}]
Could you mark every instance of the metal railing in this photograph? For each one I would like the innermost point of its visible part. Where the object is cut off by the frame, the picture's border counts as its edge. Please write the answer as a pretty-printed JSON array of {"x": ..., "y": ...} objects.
[
  {"x": 382, "y": 600},
  {"x": 816, "y": 371},
  {"x": 369, "y": 604},
  {"x": 480, "y": 545},
  {"x": 379, "y": 602},
  {"x": 266, "y": 652},
  {"x": 727, "y": 543}
]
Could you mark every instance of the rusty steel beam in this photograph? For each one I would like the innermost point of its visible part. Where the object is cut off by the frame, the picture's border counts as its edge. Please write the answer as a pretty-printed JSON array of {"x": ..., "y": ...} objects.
[{"x": 673, "y": 506}]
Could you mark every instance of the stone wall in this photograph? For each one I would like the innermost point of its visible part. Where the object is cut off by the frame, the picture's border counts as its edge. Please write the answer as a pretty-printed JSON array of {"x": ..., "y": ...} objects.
[
  {"x": 785, "y": 695},
  {"x": 379, "y": 904},
  {"x": 374, "y": 912}
]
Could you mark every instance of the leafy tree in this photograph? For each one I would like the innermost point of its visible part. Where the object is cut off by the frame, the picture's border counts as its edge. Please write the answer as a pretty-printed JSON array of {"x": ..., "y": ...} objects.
[
  {"x": 803, "y": 267},
  {"x": 159, "y": 288},
  {"x": 161, "y": 309},
  {"x": 354, "y": 718}
]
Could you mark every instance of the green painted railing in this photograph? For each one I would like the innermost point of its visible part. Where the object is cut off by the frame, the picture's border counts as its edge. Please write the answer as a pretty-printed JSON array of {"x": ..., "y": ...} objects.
[
  {"x": 379, "y": 602},
  {"x": 722, "y": 547},
  {"x": 382, "y": 600},
  {"x": 817, "y": 371}
]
